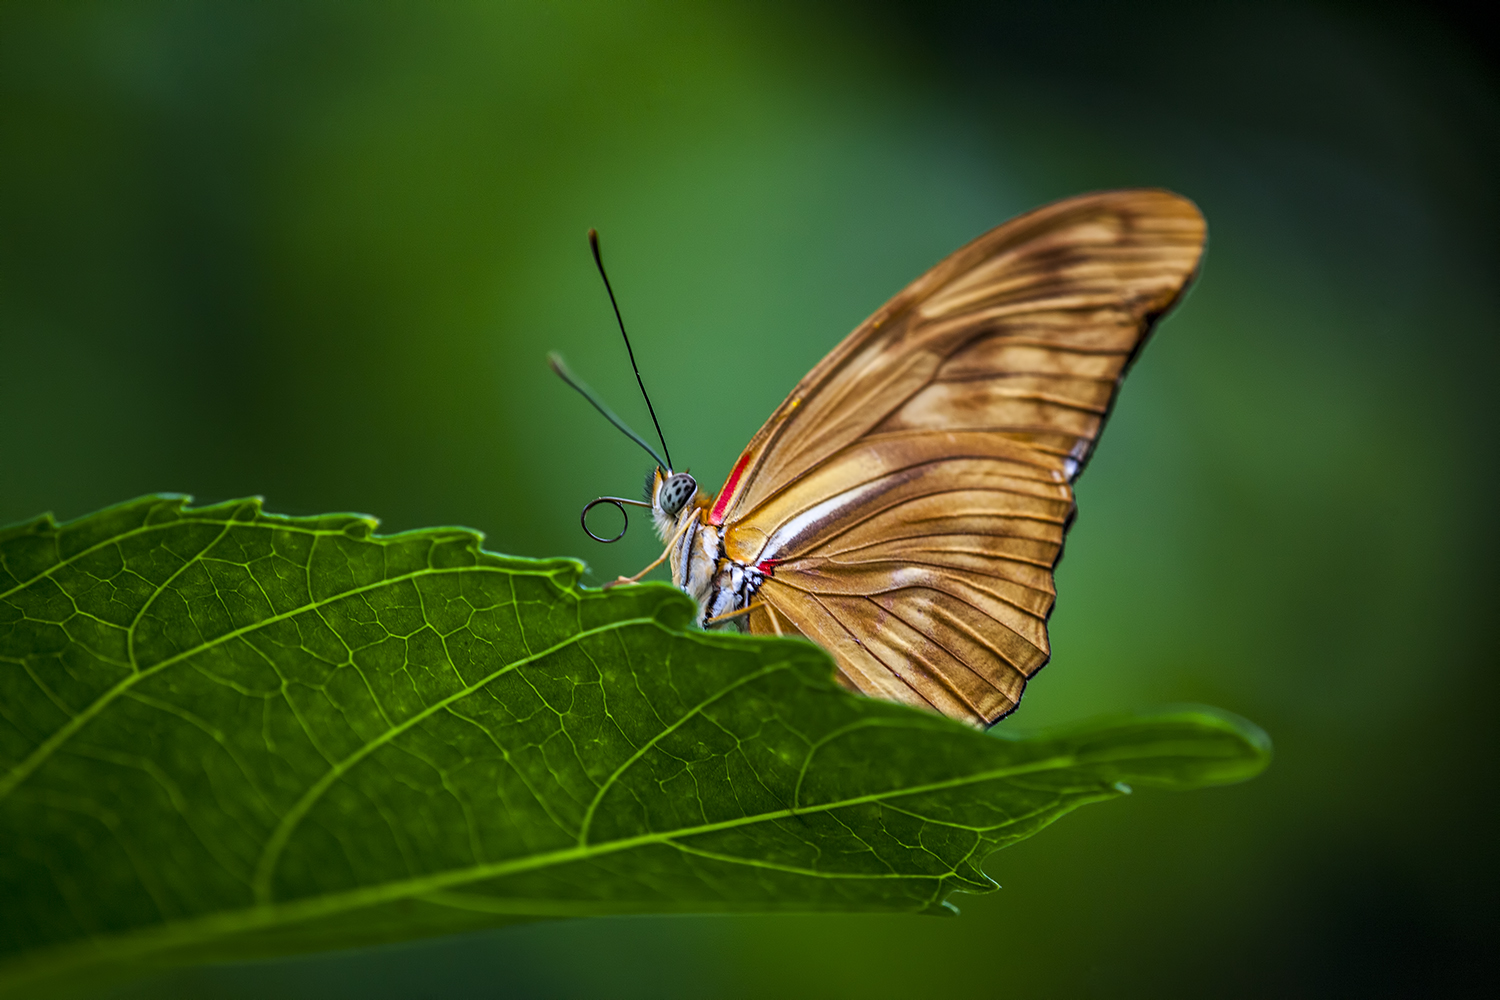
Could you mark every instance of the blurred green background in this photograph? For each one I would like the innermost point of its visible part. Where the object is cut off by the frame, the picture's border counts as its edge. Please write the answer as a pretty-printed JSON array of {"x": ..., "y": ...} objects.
[{"x": 318, "y": 251}]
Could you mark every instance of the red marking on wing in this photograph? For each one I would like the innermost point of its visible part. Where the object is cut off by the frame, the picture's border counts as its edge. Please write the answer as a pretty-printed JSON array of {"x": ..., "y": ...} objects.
[
  {"x": 721, "y": 505},
  {"x": 767, "y": 566}
]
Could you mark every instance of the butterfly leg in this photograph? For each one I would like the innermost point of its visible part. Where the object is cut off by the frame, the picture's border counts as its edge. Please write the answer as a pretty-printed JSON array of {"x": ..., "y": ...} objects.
[
  {"x": 735, "y": 614},
  {"x": 619, "y": 580},
  {"x": 771, "y": 614}
]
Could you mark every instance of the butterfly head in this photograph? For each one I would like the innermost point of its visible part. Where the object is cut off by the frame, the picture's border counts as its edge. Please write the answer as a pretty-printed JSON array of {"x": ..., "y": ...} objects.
[
  {"x": 673, "y": 492},
  {"x": 670, "y": 493}
]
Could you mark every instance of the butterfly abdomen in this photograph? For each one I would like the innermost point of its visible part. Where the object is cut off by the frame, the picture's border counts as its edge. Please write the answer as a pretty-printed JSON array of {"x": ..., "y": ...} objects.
[{"x": 734, "y": 587}]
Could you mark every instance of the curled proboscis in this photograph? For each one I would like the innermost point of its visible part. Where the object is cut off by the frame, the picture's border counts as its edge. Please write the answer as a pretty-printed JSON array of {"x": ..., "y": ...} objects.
[{"x": 619, "y": 503}]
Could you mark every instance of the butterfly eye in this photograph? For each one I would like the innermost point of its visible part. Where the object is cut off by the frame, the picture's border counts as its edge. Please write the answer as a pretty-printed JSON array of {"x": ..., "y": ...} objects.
[{"x": 675, "y": 492}]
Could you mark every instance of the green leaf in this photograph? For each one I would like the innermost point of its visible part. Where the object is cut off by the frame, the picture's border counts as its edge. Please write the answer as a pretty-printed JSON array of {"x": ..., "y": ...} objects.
[{"x": 226, "y": 733}]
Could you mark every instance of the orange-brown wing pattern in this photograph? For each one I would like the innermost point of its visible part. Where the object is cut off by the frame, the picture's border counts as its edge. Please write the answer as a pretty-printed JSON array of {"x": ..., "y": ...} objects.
[
  {"x": 910, "y": 496},
  {"x": 928, "y": 572}
]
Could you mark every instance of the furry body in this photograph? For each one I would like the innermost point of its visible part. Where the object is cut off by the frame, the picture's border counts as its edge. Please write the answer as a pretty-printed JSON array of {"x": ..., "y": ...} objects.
[{"x": 720, "y": 585}]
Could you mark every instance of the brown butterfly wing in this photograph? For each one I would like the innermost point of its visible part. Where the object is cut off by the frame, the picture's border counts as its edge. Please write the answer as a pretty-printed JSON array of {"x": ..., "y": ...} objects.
[{"x": 914, "y": 489}]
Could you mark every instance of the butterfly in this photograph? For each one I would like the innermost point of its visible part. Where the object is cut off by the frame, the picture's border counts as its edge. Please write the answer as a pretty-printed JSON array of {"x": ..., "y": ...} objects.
[{"x": 905, "y": 506}]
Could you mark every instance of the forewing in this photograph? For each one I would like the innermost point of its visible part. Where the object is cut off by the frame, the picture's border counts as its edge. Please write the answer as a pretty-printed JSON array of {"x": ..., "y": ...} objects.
[
  {"x": 909, "y": 498},
  {"x": 1025, "y": 333}
]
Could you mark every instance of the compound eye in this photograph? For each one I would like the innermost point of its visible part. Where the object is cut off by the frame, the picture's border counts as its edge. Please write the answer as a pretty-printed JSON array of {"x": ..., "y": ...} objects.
[{"x": 676, "y": 492}]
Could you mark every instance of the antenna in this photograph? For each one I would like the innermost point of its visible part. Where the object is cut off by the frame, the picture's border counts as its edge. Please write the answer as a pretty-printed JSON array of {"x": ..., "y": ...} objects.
[
  {"x": 594, "y": 245},
  {"x": 555, "y": 360}
]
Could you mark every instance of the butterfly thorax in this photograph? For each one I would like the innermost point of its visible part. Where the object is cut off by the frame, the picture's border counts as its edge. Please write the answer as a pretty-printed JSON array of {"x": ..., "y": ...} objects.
[{"x": 700, "y": 569}]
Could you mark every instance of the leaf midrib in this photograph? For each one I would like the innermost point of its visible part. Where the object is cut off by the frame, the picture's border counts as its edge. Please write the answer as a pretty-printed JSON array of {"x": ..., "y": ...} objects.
[
  {"x": 265, "y": 868},
  {"x": 264, "y": 915}
]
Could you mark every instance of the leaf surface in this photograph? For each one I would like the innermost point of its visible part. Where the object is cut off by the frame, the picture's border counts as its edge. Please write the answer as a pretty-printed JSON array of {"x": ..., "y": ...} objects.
[{"x": 226, "y": 733}]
